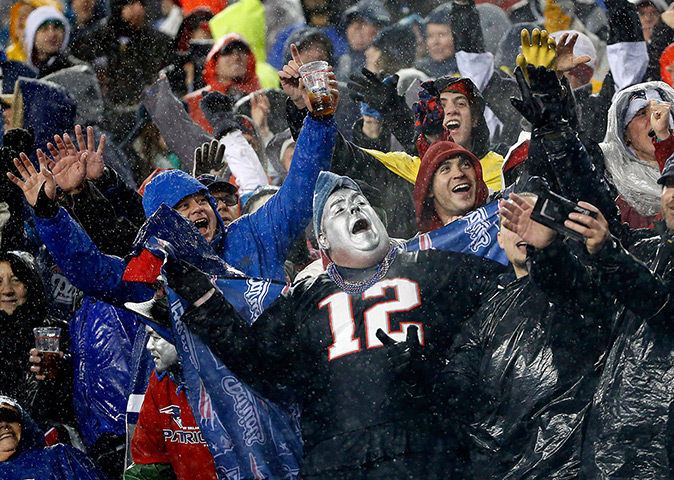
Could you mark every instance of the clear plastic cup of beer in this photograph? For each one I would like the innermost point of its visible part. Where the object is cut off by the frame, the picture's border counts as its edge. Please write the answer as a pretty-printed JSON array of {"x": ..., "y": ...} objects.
[
  {"x": 315, "y": 78},
  {"x": 47, "y": 343}
]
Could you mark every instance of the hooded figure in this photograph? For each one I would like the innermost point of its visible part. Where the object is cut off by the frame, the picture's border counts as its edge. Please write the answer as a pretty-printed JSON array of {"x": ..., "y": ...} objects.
[
  {"x": 634, "y": 178},
  {"x": 17, "y": 23},
  {"x": 244, "y": 83},
  {"x": 45, "y": 399},
  {"x": 44, "y": 55},
  {"x": 32, "y": 459},
  {"x": 427, "y": 217}
]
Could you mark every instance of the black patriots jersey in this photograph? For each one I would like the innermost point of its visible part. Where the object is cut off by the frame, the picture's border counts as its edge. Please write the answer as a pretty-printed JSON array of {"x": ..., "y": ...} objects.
[{"x": 322, "y": 342}]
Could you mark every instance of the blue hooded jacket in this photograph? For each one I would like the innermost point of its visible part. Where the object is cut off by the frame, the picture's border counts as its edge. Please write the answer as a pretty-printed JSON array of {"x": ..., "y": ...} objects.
[
  {"x": 256, "y": 244},
  {"x": 33, "y": 459}
]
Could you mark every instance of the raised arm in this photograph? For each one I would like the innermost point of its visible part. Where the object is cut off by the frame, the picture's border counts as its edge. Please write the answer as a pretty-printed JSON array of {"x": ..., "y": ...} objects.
[{"x": 73, "y": 250}]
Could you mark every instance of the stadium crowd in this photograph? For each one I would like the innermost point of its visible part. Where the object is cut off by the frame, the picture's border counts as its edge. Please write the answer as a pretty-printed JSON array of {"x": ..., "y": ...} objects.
[{"x": 451, "y": 262}]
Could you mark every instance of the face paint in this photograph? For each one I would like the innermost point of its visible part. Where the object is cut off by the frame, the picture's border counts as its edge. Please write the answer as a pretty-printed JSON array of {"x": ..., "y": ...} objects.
[{"x": 352, "y": 233}]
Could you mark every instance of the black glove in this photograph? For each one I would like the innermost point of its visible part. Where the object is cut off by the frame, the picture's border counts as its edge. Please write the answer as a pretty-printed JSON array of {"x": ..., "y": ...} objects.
[
  {"x": 380, "y": 95},
  {"x": 217, "y": 108},
  {"x": 187, "y": 280},
  {"x": 16, "y": 140},
  {"x": 207, "y": 157},
  {"x": 543, "y": 103},
  {"x": 407, "y": 359}
]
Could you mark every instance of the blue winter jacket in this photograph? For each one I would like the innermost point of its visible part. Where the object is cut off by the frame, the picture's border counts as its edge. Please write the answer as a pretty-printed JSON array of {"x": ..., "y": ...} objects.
[
  {"x": 257, "y": 244},
  {"x": 33, "y": 460}
]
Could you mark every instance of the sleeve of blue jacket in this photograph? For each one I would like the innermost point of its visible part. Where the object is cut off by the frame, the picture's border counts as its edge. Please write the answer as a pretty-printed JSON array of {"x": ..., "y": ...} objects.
[
  {"x": 261, "y": 241},
  {"x": 84, "y": 265}
]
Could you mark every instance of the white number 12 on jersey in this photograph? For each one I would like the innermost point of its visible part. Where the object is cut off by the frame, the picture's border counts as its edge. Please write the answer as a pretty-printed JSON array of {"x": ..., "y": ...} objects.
[{"x": 343, "y": 324}]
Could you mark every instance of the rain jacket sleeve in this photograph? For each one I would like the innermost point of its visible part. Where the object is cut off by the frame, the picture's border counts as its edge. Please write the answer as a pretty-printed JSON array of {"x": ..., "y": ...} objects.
[
  {"x": 265, "y": 237},
  {"x": 559, "y": 273},
  {"x": 84, "y": 265},
  {"x": 636, "y": 286}
]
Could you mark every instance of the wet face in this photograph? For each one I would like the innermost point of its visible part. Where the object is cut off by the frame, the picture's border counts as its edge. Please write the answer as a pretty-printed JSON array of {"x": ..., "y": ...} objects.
[
  {"x": 83, "y": 9},
  {"x": 458, "y": 117},
  {"x": 360, "y": 34},
  {"x": 351, "y": 232},
  {"x": 228, "y": 206},
  {"x": 314, "y": 53},
  {"x": 13, "y": 293},
  {"x": 48, "y": 40},
  {"x": 667, "y": 203},
  {"x": 636, "y": 135},
  {"x": 134, "y": 14},
  {"x": 649, "y": 16},
  {"x": 199, "y": 211},
  {"x": 514, "y": 247},
  {"x": 10, "y": 431},
  {"x": 164, "y": 354},
  {"x": 373, "y": 59},
  {"x": 231, "y": 66},
  {"x": 440, "y": 41},
  {"x": 454, "y": 188}
]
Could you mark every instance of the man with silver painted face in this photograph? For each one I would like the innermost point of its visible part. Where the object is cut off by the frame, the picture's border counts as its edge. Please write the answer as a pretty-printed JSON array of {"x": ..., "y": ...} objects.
[
  {"x": 359, "y": 343},
  {"x": 167, "y": 440}
]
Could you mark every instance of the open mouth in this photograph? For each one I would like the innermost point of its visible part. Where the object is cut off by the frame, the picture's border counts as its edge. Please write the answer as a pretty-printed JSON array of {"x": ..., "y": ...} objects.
[
  {"x": 522, "y": 244},
  {"x": 453, "y": 125},
  {"x": 201, "y": 223},
  {"x": 360, "y": 226},
  {"x": 6, "y": 435},
  {"x": 462, "y": 188}
]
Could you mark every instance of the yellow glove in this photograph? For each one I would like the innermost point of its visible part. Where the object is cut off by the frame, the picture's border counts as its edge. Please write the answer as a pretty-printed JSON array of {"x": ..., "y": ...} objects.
[{"x": 539, "y": 51}]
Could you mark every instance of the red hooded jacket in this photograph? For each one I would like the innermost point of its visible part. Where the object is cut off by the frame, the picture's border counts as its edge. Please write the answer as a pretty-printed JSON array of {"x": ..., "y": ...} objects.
[
  {"x": 248, "y": 84},
  {"x": 427, "y": 218}
]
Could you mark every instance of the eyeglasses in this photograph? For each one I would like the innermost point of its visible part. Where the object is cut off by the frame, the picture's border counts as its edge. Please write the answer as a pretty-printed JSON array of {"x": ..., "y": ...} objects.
[{"x": 229, "y": 199}]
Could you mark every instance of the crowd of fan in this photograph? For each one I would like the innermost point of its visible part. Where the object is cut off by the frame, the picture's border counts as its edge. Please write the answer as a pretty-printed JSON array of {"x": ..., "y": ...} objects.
[{"x": 557, "y": 365}]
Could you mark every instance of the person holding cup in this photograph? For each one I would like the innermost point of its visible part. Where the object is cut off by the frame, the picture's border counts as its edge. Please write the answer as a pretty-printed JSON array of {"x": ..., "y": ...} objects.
[{"x": 23, "y": 307}]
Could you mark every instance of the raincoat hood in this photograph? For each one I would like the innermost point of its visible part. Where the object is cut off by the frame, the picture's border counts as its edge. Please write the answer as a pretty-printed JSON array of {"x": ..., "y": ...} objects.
[
  {"x": 635, "y": 180},
  {"x": 26, "y": 270},
  {"x": 249, "y": 83},
  {"x": 170, "y": 187},
  {"x": 31, "y": 435},
  {"x": 35, "y": 20},
  {"x": 427, "y": 218}
]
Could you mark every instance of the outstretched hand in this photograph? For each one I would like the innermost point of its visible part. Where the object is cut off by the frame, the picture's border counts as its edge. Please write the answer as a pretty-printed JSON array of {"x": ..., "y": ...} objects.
[
  {"x": 516, "y": 217},
  {"x": 369, "y": 88},
  {"x": 31, "y": 180},
  {"x": 538, "y": 50},
  {"x": 293, "y": 86},
  {"x": 291, "y": 80},
  {"x": 208, "y": 158},
  {"x": 565, "y": 59},
  {"x": 73, "y": 165}
]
